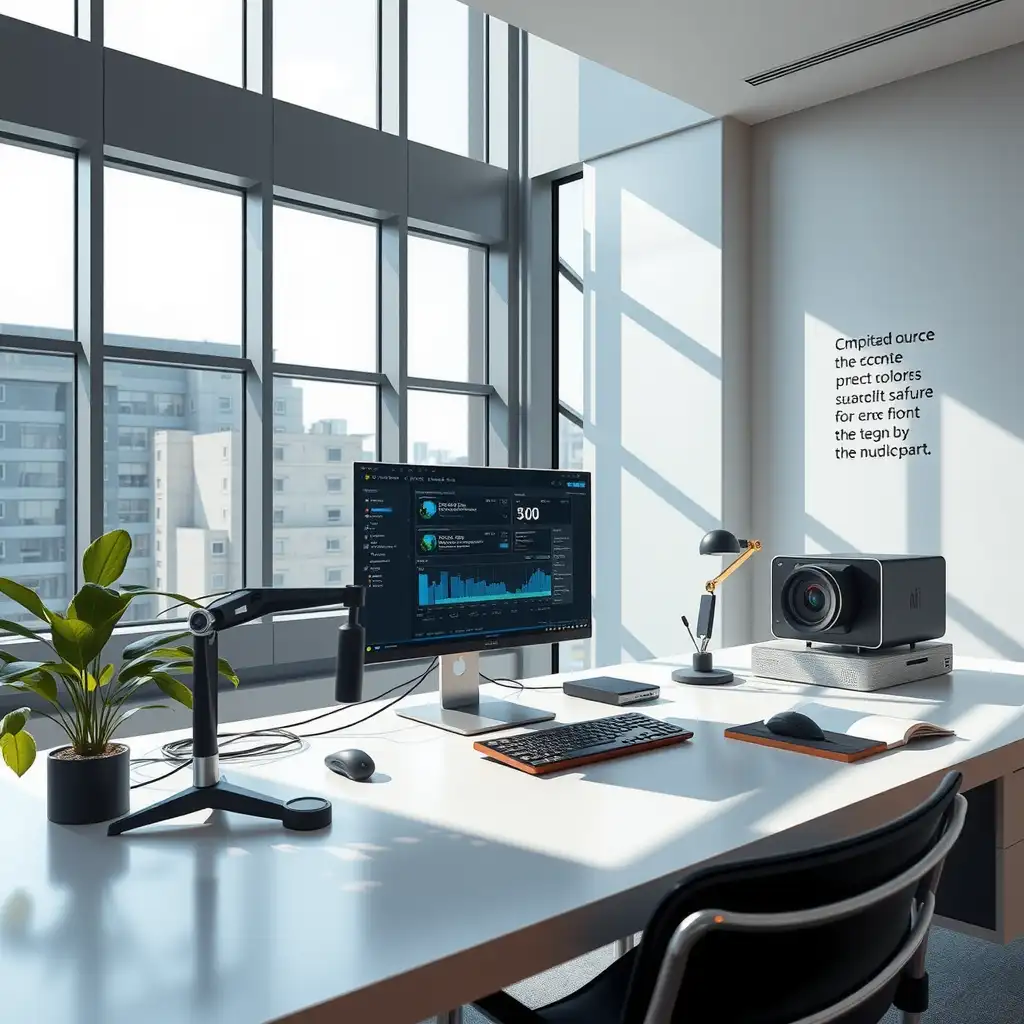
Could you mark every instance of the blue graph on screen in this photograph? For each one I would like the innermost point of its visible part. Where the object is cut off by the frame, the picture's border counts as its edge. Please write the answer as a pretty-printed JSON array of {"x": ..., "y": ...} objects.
[{"x": 477, "y": 585}]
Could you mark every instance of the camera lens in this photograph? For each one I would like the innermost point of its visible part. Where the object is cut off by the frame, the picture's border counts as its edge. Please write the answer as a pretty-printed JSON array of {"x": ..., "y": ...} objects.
[{"x": 811, "y": 599}]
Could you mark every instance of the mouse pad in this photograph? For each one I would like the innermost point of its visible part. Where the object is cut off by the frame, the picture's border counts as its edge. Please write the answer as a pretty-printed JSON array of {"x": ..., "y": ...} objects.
[{"x": 836, "y": 746}]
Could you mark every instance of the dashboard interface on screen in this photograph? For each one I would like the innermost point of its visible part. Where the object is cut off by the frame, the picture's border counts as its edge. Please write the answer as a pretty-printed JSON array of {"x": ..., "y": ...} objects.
[{"x": 462, "y": 559}]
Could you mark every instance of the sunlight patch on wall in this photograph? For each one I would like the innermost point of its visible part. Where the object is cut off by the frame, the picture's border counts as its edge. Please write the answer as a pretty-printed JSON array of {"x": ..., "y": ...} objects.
[
  {"x": 671, "y": 416},
  {"x": 653, "y": 597},
  {"x": 862, "y": 499},
  {"x": 672, "y": 271},
  {"x": 982, "y": 492}
]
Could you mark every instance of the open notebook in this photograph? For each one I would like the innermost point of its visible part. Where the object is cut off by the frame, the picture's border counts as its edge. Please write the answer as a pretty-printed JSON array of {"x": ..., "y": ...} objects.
[{"x": 893, "y": 732}]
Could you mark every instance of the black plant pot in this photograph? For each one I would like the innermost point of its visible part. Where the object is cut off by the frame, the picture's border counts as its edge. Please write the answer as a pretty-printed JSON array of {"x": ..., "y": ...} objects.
[{"x": 85, "y": 790}]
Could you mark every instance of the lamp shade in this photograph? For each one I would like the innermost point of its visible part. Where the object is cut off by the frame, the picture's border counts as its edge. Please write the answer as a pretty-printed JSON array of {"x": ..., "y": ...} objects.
[{"x": 719, "y": 542}]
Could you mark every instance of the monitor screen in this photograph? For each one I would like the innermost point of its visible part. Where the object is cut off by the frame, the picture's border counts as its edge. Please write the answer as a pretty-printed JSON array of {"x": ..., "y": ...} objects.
[{"x": 457, "y": 559}]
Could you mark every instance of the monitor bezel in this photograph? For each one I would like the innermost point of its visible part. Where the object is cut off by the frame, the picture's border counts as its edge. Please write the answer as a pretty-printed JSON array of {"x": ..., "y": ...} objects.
[{"x": 427, "y": 649}]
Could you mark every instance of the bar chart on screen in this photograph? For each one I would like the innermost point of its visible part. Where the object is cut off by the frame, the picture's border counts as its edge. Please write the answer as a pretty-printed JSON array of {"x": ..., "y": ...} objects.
[{"x": 502, "y": 582}]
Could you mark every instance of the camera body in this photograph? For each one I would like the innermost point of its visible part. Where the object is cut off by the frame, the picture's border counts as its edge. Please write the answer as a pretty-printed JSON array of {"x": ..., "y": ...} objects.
[{"x": 863, "y": 601}]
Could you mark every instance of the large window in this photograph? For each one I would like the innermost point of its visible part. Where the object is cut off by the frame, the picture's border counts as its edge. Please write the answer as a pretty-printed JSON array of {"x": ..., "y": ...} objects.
[
  {"x": 326, "y": 57},
  {"x": 38, "y": 505},
  {"x": 174, "y": 259},
  {"x": 205, "y": 37},
  {"x": 571, "y": 365},
  {"x": 201, "y": 332},
  {"x": 37, "y": 242},
  {"x": 325, "y": 290}
]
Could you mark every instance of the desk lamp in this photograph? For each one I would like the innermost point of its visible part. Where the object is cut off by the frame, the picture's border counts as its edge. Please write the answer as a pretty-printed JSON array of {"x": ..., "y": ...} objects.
[
  {"x": 208, "y": 790},
  {"x": 703, "y": 672}
]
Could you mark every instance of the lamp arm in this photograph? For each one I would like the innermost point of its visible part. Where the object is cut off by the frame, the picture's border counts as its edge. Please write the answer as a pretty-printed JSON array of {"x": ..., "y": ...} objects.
[{"x": 752, "y": 546}]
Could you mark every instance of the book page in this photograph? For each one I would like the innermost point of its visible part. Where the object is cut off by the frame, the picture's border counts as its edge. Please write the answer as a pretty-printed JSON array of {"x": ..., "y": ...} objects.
[{"x": 885, "y": 729}]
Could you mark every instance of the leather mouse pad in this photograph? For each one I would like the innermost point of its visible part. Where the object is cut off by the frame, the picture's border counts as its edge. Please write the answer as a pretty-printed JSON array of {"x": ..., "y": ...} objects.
[{"x": 836, "y": 746}]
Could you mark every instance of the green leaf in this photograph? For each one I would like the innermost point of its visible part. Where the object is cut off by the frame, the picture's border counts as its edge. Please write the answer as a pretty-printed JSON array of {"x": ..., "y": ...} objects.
[
  {"x": 145, "y": 665},
  {"x": 146, "y": 592},
  {"x": 16, "y": 671},
  {"x": 106, "y": 557},
  {"x": 106, "y": 675},
  {"x": 224, "y": 669},
  {"x": 16, "y": 627},
  {"x": 7, "y": 658},
  {"x": 14, "y": 721},
  {"x": 41, "y": 683},
  {"x": 98, "y": 606},
  {"x": 19, "y": 751},
  {"x": 149, "y": 643},
  {"x": 28, "y": 599},
  {"x": 174, "y": 689},
  {"x": 75, "y": 641}
]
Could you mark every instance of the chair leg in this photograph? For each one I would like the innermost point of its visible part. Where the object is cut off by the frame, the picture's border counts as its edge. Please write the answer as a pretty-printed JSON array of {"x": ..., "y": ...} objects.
[
  {"x": 451, "y": 1017},
  {"x": 624, "y": 945},
  {"x": 915, "y": 971}
]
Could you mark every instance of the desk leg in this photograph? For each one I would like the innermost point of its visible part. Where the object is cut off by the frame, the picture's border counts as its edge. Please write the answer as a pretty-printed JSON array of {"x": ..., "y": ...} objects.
[
  {"x": 451, "y": 1017},
  {"x": 623, "y": 946}
]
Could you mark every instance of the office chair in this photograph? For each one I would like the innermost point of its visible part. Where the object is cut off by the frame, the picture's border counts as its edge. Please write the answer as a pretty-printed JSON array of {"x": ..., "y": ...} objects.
[{"x": 836, "y": 934}]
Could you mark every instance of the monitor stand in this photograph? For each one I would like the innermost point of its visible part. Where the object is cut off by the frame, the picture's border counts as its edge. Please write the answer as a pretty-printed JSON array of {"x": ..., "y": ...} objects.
[{"x": 461, "y": 709}]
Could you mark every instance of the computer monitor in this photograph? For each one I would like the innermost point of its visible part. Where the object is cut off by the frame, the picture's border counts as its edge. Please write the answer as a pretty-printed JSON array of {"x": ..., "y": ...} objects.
[{"x": 458, "y": 560}]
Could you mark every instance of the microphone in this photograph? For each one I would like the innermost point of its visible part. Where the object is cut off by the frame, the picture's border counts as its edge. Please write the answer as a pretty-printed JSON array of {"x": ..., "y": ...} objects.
[{"x": 348, "y": 669}]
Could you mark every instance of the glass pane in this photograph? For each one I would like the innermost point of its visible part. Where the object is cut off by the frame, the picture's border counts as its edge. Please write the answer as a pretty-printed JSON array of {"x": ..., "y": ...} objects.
[
  {"x": 325, "y": 57},
  {"x": 446, "y": 430},
  {"x": 37, "y": 242},
  {"x": 320, "y": 429},
  {"x": 173, "y": 274},
  {"x": 571, "y": 352},
  {"x": 439, "y": 76},
  {"x": 172, "y": 477},
  {"x": 447, "y": 307},
  {"x": 205, "y": 37},
  {"x": 570, "y": 225},
  {"x": 325, "y": 290},
  {"x": 55, "y": 14},
  {"x": 37, "y": 479}
]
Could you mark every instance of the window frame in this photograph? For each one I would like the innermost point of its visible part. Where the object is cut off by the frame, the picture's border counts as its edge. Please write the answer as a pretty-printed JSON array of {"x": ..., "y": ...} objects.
[{"x": 192, "y": 154}]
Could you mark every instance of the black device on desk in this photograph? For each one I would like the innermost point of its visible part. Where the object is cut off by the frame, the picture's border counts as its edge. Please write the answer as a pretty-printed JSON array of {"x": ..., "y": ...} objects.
[
  {"x": 459, "y": 560},
  {"x": 580, "y": 743},
  {"x": 609, "y": 690}
]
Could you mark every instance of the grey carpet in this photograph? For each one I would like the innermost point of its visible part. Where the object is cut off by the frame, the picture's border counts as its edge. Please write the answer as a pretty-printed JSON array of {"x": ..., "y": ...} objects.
[{"x": 972, "y": 982}]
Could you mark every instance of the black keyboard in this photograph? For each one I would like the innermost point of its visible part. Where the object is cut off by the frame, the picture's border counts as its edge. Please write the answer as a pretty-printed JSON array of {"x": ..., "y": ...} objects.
[{"x": 580, "y": 743}]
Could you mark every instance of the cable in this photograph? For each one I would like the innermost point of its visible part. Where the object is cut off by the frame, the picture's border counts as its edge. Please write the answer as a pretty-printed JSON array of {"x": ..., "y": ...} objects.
[
  {"x": 284, "y": 740},
  {"x": 515, "y": 684}
]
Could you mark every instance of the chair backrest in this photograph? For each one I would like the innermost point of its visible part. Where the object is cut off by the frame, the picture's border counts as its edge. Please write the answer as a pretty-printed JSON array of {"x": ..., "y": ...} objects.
[{"x": 777, "y": 978}]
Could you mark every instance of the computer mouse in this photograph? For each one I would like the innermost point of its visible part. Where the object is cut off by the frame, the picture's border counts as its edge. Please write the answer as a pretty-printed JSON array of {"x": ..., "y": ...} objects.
[
  {"x": 795, "y": 726},
  {"x": 356, "y": 765}
]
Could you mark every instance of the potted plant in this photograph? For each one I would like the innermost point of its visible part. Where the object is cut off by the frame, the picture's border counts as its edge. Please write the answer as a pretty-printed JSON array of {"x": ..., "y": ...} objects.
[{"x": 89, "y": 698}]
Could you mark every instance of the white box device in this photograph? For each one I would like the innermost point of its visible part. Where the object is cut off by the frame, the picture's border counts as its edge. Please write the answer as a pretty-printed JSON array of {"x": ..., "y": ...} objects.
[{"x": 828, "y": 665}]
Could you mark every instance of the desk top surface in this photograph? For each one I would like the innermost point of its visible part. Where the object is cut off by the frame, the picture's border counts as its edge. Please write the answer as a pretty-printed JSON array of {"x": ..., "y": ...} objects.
[{"x": 237, "y": 921}]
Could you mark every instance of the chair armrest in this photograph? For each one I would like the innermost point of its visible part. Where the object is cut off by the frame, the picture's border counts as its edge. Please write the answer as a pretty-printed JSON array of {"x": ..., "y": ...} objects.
[{"x": 501, "y": 1008}]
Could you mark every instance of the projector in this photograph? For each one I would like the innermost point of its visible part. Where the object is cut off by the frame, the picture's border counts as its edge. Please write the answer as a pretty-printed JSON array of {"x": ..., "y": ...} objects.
[{"x": 866, "y": 602}]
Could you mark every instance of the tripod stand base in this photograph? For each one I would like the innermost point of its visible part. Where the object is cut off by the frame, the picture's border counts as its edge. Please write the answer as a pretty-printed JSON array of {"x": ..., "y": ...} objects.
[
  {"x": 301, "y": 814},
  {"x": 702, "y": 677}
]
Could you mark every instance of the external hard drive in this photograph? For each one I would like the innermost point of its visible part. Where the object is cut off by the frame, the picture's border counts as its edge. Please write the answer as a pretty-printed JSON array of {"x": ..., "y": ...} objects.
[{"x": 609, "y": 690}]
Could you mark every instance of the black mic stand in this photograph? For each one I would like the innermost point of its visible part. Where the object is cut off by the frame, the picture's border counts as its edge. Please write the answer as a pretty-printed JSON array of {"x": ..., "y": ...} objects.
[{"x": 209, "y": 791}]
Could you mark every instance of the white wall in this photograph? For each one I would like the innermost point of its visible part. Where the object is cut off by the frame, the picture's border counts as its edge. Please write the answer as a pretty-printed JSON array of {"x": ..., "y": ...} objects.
[
  {"x": 579, "y": 109},
  {"x": 899, "y": 209},
  {"x": 665, "y": 317}
]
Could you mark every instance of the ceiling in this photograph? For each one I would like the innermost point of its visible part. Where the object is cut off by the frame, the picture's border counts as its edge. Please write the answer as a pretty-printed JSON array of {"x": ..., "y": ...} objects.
[{"x": 701, "y": 51}]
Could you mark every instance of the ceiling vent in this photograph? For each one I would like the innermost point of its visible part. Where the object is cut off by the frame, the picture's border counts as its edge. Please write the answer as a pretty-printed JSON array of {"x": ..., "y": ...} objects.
[{"x": 873, "y": 40}]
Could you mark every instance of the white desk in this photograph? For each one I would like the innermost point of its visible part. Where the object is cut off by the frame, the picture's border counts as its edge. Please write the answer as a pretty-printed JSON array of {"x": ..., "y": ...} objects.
[{"x": 451, "y": 876}]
